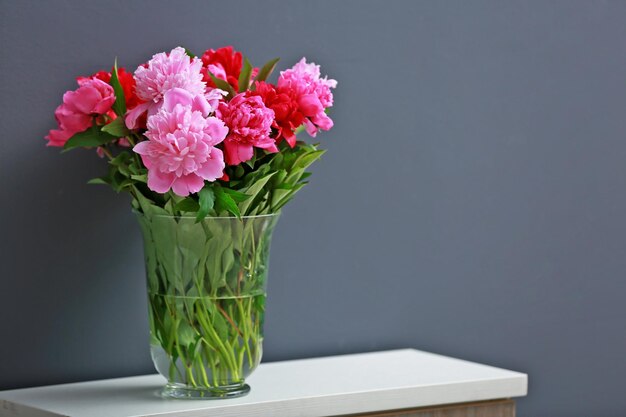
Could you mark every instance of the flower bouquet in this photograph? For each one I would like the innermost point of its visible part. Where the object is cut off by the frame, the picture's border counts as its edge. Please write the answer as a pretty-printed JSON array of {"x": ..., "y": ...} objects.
[{"x": 207, "y": 149}]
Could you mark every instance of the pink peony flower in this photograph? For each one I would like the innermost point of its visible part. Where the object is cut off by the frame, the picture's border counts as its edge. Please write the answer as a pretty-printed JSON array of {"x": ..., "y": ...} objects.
[
  {"x": 312, "y": 93},
  {"x": 161, "y": 74},
  {"x": 93, "y": 97},
  {"x": 249, "y": 122},
  {"x": 180, "y": 152}
]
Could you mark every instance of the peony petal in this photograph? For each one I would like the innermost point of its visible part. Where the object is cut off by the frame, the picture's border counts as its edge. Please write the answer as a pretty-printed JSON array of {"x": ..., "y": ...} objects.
[
  {"x": 272, "y": 149},
  {"x": 133, "y": 114},
  {"x": 268, "y": 144},
  {"x": 123, "y": 142},
  {"x": 323, "y": 121},
  {"x": 160, "y": 182},
  {"x": 217, "y": 71},
  {"x": 237, "y": 153},
  {"x": 310, "y": 105},
  {"x": 216, "y": 130},
  {"x": 311, "y": 129},
  {"x": 143, "y": 147},
  {"x": 82, "y": 100},
  {"x": 104, "y": 105},
  {"x": 213, "y": 168},
  {"x": 58, "y": 137},
  {"x": 201, "y": 104},
  {"x": 176, "y": 96},
  {"x": 214, "y": 96},
  {"x": 289, "y": 136},
  {"x": 71, "y": 120},
  {"x": 187, "y": 184}
]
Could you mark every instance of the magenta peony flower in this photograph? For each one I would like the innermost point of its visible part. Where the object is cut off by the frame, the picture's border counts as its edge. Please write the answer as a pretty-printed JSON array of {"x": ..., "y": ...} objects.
[
  {"x": 71, "y": 120},
  {"x": 92, "y": 98},
  {"x": 58, "y": 137},
  {"x": 249, "y": 122},
  {"x": 180, "y": 152},
  {"x": 161, "y": 74},
  {"x": 312, "y": 93}
]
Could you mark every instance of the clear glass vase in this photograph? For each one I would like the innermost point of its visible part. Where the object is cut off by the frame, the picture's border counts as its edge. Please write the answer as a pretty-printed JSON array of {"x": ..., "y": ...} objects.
[{"x": 206, "y": 297}]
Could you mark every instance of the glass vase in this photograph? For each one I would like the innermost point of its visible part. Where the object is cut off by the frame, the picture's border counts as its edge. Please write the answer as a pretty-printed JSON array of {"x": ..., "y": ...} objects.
[{"x": 206, "y": 298}]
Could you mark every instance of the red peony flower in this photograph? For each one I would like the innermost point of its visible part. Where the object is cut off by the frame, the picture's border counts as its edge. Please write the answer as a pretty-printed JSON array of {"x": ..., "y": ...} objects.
[
  {"x": 224, "y": 63},
  {"x": 286, "y": 110}
]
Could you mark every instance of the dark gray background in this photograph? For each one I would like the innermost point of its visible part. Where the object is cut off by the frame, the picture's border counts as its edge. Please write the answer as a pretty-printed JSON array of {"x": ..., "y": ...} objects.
[{"x": 471, "y": 202}]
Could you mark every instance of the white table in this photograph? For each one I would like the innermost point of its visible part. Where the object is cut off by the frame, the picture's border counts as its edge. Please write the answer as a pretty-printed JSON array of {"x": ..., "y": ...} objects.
[{"x": 415, "y": 382}]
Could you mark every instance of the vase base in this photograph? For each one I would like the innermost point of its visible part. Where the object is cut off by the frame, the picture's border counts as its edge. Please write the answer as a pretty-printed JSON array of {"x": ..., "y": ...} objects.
[{"x": 183, "y": 392}]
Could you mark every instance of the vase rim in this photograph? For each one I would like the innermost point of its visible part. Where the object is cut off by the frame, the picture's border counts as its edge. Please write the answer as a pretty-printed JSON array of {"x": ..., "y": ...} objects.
[{"x": 187, "y": 216}]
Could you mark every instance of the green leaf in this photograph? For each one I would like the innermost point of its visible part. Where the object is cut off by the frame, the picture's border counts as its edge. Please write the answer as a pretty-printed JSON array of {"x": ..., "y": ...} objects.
[
  {"x": 236, "y": 195},
  {"x": 123, "y": 158},
  {"x": 239, "y": 171},
  {"x": 253, "y": 190},
  {"x": 206, "y": 198},
  {"x": 224, "y": 202},
  {"x": 148, "y": 207},
  {"x": 279, "y": 178},
  {"x": 100, "y": 180},
  {"x": 119, "y": 107},
  {"x": 244, "y": 76},
  {"x": 126, "y": 183},
  {"x": 141, "y": 178},
  {"x": 116, "y": 128},
  {"x": 284, "y": 200},
  {"x": 228, "y": 259},
  {"x": 220, "y": 325},
  {"x": 187, "y": 204},
  {"x": 259, "y": 302},
  {"x": 265, "y": 71},
  {"x": 89, "y": 138},
  {"x": 186, "y": 335},
  {"x": 307, "y": 159},
  {"x": 191, "y": 241},
  {"x": 215, "y": 248},
  {"x": 223, "y": 85},
  {"x": 294, "y": 176},
  {"x": 189, "y": 53}
]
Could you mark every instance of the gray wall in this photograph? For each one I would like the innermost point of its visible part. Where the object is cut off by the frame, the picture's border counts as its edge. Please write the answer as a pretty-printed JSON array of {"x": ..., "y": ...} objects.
[{"x": 471, "y": 203}]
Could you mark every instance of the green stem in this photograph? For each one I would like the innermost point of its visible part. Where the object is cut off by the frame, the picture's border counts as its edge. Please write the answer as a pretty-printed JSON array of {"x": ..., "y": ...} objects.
[
  {"x": 190, "y": 379},
  {"x": 200, "y": 367},
  {"x": 210, "y": 331},
  {"x": 130, "y": 140},
  {"x": 211, "y": 360},
  {"x": 107, "y": 152}
]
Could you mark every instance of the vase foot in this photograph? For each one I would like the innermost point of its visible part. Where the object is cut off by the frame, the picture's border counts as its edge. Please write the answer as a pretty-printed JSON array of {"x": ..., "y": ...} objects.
[{"x": 180, "y": 391}]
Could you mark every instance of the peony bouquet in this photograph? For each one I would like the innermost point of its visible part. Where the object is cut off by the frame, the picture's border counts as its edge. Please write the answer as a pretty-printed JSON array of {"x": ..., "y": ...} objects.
[
  {"x": 202, "y": 135},
  {"x": 207, "y": 149}
]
